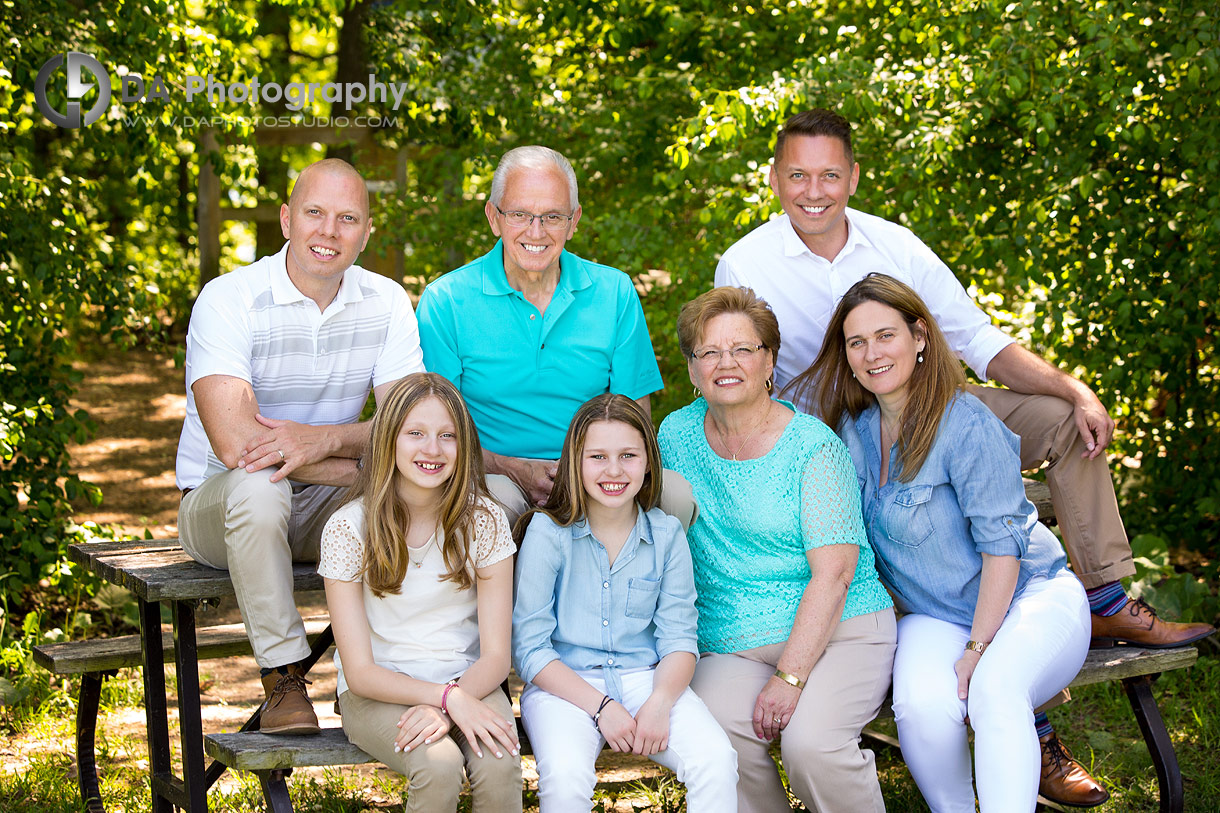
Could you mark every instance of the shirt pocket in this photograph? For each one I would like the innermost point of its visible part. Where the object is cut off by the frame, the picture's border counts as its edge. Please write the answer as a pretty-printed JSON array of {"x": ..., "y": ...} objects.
[
  {"x": 642, "y": 597},
  {"x": 907, "y": 520}
]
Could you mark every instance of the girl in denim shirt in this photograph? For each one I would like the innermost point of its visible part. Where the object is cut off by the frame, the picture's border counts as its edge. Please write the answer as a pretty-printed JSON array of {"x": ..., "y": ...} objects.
[
  {"x": 604, "y": 622},
  {"x": 995, "y": 625}
]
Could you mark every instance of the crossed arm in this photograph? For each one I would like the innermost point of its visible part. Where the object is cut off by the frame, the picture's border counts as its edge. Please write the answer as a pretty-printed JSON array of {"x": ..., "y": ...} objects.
[{"x": 242, "y": 436}]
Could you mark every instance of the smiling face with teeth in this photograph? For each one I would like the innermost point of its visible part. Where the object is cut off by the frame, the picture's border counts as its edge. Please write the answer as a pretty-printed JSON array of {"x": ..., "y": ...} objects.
[
  {"x": 612, "y": 466},
  {"x": 326, "y": 222},
  {"x": 882, "y": 351},
  {"x": 726, "y": 380},
  {"x": 532, "y": 251},
  {"x": 426, "y": 451},
  {"x": 814, "y": 180}
]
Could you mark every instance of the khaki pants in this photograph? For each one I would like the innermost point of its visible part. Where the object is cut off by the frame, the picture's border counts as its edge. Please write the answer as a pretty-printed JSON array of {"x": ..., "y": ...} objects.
[
  {"x": 677, "y": 497},
  {"x": 435, "y": 771},
  {"x": 1081, "y": 490},
  {"x": 826, "y": 767},
  {"x": 256, "y": 529}
]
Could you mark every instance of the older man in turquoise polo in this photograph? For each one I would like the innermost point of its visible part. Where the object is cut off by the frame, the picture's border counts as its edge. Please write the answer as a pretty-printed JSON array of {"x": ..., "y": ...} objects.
[{"x": 529, "y": 332}]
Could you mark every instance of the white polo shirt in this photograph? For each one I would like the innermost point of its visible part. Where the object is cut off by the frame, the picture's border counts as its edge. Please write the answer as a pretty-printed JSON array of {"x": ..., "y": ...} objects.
[
  {"x": 803, "y": 288},
  {"x": 305, "y": 365}
]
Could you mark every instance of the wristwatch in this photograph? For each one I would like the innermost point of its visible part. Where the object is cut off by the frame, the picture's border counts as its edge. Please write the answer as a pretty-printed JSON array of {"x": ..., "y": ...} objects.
[{"x": 978, "y": 646}]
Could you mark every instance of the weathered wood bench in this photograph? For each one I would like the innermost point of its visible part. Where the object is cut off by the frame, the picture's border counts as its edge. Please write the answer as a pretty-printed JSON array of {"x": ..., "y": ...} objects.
[
  {"x": 272, "y": 758},
  {"x": 99, "y": 658},
  {"x": 159, "y": 572}
]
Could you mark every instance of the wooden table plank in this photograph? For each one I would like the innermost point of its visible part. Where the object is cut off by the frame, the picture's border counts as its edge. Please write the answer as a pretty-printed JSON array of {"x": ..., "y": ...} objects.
[{"x": 157, "y": 571}]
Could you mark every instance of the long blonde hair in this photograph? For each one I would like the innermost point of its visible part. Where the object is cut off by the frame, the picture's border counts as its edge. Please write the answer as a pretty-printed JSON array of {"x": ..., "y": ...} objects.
[
  {"x": 569, "y": 503},
  {"x": 386, "y": 517},
  {"x": 831, "y": 387}
]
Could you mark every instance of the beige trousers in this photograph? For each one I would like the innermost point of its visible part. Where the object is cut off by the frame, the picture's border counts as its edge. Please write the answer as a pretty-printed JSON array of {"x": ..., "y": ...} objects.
[
  {"x": 256, "y": 529},
  {"x": 1081, "y": 490},
  {"x": 820, "y": 746},
  {"x": 435, "y": 772},
  {"x": 677, "y": 497}
]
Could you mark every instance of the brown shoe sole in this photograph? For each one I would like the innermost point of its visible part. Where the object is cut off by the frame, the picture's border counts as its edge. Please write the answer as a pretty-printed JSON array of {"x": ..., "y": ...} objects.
[
  {"x": 1106, "y": 643},
  {"x": 1102, "y": 801},
  {"x": 297, "y": 730}
]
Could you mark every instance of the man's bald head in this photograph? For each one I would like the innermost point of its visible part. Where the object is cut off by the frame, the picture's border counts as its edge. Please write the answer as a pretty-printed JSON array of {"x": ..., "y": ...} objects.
[{"x": 328, "y": 169}]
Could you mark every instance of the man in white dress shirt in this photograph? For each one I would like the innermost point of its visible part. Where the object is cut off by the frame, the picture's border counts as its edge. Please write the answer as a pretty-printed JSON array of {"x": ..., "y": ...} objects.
[{"x": 805, "y": 260}]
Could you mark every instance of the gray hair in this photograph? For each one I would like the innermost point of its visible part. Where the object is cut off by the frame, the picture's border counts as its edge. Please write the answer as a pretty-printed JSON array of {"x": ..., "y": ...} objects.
[{"x": 532, "y": 157}]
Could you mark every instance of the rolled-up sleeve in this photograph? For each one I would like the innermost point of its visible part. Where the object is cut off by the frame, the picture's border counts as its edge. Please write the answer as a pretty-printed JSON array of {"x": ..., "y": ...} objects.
[
  {"x": 534, "y": 618},
  {"x": 986, "y": 475},
  {"x": 676, "y": 619},
  {"x": 967, "y": 328}
]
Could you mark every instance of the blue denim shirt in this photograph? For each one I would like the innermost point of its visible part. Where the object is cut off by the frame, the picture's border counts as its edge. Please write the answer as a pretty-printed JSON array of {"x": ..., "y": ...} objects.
[
  {"x": 572, "y": 605},
  {"x": 929, "y": 534}
]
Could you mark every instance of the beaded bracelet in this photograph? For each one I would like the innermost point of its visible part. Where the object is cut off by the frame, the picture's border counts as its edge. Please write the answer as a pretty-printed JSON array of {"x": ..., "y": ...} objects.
[
  {"x": 598, "y": 714},
  {"x": 450, "y": 686}
]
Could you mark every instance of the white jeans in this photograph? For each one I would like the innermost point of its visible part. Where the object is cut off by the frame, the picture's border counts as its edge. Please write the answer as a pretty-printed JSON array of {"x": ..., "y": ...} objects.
[
  {"x": 1036, "y": 652},
  {"x": 566, "y": 744}
]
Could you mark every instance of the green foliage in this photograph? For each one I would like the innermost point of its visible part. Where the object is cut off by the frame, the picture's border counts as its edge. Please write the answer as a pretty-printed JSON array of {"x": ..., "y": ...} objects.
[
  {"x": 1180, "y": 596},
  {"x": 1051, "y": 151}
]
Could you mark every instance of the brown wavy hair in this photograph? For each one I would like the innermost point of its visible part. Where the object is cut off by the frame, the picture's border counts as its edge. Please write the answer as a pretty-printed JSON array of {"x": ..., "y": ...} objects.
[
  {"x": 568, "y": 502},
  {"x": 386, "y": 518},
  {"x": 694, "y": 316},
  {"x": 829, "y": 385}
]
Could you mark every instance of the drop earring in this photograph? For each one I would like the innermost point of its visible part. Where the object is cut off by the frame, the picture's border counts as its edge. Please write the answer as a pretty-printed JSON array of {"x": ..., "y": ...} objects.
[{"x": 919, "y": 358}]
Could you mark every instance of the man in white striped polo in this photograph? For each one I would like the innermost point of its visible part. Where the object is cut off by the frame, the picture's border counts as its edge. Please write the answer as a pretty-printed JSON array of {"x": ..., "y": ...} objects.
[{"x": 280, "y": 357}]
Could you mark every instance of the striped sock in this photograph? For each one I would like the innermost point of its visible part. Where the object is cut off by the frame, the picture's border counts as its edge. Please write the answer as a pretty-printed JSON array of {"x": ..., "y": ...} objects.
[
  {"x": 1042, "y": 724},
  {"x": 1107, "y": 599}
]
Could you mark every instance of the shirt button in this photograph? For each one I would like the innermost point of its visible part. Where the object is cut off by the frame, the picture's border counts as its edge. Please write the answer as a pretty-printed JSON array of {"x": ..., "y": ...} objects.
[
  {"x": 605, "y": 623},
  {"x": 606, "y": 585},
  {"x": 532, "y": 317},
  {"x": 609, "y": 660}
]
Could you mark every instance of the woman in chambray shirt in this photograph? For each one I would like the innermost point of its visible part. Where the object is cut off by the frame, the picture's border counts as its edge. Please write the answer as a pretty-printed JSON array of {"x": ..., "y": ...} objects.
[{"x": 995, "y": 624}]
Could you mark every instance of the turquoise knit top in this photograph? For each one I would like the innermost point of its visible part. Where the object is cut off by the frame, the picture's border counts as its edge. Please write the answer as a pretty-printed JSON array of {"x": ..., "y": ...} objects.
[{"x": 757, "y": 518}]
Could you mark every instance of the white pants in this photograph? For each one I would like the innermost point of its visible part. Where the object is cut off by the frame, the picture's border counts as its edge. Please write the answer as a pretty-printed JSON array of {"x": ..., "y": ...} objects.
[
  {"x": 566, "y": 744},
  {"x": 1036, "y": 652}
]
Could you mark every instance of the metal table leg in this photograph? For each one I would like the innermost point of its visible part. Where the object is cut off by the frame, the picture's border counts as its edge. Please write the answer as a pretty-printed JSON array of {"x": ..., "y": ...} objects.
[
  {"x": 155, "y": 707},
  {"x": 275, "y": 790},
  {"x": 1169, "y": 777},
  {"x": 190, "y": 716},
  {"x": 86, "y": 731}
]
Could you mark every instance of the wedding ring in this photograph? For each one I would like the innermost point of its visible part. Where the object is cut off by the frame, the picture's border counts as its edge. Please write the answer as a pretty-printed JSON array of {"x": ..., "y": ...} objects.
[
  {"x": 282, "y": 458},
  {"x": 775, "y": 719}
]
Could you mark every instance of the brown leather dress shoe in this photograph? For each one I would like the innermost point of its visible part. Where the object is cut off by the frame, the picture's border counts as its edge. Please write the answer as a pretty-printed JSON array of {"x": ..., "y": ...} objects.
[
  {"x": 1136, "y": 624},
  {"x": 1064, "y": 780},
  {"x": 287, "y": 709}
]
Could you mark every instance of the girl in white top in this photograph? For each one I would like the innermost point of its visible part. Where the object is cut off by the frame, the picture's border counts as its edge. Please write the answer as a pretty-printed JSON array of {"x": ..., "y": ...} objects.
[{"x": 418, "y": 568}]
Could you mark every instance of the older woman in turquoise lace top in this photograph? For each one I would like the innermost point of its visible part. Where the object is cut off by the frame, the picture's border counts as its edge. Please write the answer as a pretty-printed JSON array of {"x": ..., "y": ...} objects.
[{"x": 796, "y": 633}]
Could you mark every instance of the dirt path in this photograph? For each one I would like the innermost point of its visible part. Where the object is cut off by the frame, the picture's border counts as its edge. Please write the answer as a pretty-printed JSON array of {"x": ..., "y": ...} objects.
[{"x": 138, "y": 401}]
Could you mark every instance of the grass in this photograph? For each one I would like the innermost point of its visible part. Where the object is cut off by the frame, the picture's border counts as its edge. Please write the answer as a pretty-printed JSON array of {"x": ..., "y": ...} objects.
[{"x": 1098, "y": 726}]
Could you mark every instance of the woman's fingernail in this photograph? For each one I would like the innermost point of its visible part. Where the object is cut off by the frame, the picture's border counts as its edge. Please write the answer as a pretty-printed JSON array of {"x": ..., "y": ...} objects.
[{"x": 397, "y": 748}]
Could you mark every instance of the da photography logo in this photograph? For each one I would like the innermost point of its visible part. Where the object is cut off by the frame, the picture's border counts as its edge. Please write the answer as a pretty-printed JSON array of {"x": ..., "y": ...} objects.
[{"x": 76, "y": 63}]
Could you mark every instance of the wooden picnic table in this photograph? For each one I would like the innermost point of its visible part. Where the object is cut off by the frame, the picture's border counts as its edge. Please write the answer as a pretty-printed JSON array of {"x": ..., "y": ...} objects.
[{"x": 159, "y": 572}]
